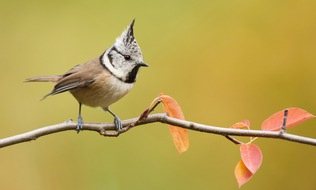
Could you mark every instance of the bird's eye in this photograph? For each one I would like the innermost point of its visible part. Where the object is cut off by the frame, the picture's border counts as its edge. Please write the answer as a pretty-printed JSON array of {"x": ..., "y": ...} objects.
[{"x": 127, "y": 57}]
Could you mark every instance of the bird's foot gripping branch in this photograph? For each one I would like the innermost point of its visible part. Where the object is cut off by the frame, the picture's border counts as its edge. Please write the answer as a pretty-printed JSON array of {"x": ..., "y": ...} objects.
[{"x": 172, "y": 108}]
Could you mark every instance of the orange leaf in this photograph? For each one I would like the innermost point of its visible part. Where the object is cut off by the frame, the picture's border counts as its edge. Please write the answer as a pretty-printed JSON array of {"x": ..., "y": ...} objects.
[
  {"x": 171, "y": 106},
  {"x": 242, "y": 173},
  {"x": 241, "y": 125},
  {"x": 251, "y": 155},
  {"x": 295, "y": 117},
  {"x": 179, "y": 135}
]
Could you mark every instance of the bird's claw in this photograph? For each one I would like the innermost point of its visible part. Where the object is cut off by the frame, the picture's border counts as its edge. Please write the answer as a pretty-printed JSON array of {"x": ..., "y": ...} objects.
[
  {"x": 118, "y": 123},
  {"x": 79, "y": 124}
]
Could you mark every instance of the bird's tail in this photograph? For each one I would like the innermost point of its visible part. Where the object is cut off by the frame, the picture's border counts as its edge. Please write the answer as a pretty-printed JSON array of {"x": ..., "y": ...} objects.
[{"x": 55, "y": 78}]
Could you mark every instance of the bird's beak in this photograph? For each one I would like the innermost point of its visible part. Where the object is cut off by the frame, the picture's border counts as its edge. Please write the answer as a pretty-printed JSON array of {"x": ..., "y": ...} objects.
[{"x": 142, "y": 64}]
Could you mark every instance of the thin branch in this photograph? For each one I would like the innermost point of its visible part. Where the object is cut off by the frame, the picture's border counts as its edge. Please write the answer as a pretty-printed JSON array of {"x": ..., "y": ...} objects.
[
  {"x": 143, "y": 116},
  {"x": 235, "y": 141},
  {"x": 101, "y": 128},
  {"x": 283, "y": 128}
]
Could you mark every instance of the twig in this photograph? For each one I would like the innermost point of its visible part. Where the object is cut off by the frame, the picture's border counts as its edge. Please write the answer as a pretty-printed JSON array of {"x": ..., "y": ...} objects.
[
  {"x": 235, "y": 141},
  {"x": 162, "y": 118},
  {"x": 143, "y": 116},
  {"x": 283, "y": 128}
]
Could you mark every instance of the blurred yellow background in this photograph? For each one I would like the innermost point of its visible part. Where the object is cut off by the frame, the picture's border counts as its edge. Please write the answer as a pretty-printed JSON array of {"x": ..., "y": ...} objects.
[{"x": 223, "y": 60}]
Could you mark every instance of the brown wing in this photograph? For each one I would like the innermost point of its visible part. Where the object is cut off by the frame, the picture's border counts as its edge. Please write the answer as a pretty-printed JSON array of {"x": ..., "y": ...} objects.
[{"x": 79, "y": 76}]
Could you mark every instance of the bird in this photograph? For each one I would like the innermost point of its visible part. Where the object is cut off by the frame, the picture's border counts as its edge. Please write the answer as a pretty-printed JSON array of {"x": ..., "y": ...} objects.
[{"x": 103, "y": 80}]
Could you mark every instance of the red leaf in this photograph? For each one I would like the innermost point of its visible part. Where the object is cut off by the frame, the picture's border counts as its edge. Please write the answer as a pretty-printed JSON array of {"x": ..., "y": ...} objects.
[
  {"x": 242, "y": 173},
  {"x": 295, "y": 117},
  {"x": 251, "y": 155},
  {"x": 179, "y": 135}
]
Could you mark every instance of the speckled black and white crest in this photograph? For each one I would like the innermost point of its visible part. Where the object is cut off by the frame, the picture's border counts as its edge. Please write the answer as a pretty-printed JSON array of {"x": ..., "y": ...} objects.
[
  {"x": 127, "y": 43},
  {"x": 129, "y": 38}
]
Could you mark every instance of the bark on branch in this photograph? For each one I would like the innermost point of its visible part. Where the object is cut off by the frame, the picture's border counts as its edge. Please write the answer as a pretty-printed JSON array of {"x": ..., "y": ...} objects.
[{"x": 107, "y": 129}]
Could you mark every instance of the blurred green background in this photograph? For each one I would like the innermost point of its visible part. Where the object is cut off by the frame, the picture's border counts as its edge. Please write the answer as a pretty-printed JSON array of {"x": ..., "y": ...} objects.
[{"x": 223, "y": 60}]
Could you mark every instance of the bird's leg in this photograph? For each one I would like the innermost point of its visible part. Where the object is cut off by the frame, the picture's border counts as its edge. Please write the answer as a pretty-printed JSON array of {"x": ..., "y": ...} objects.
[
  {"x": 80, "y": 120},
  {"x": 117, "y": 120}
]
